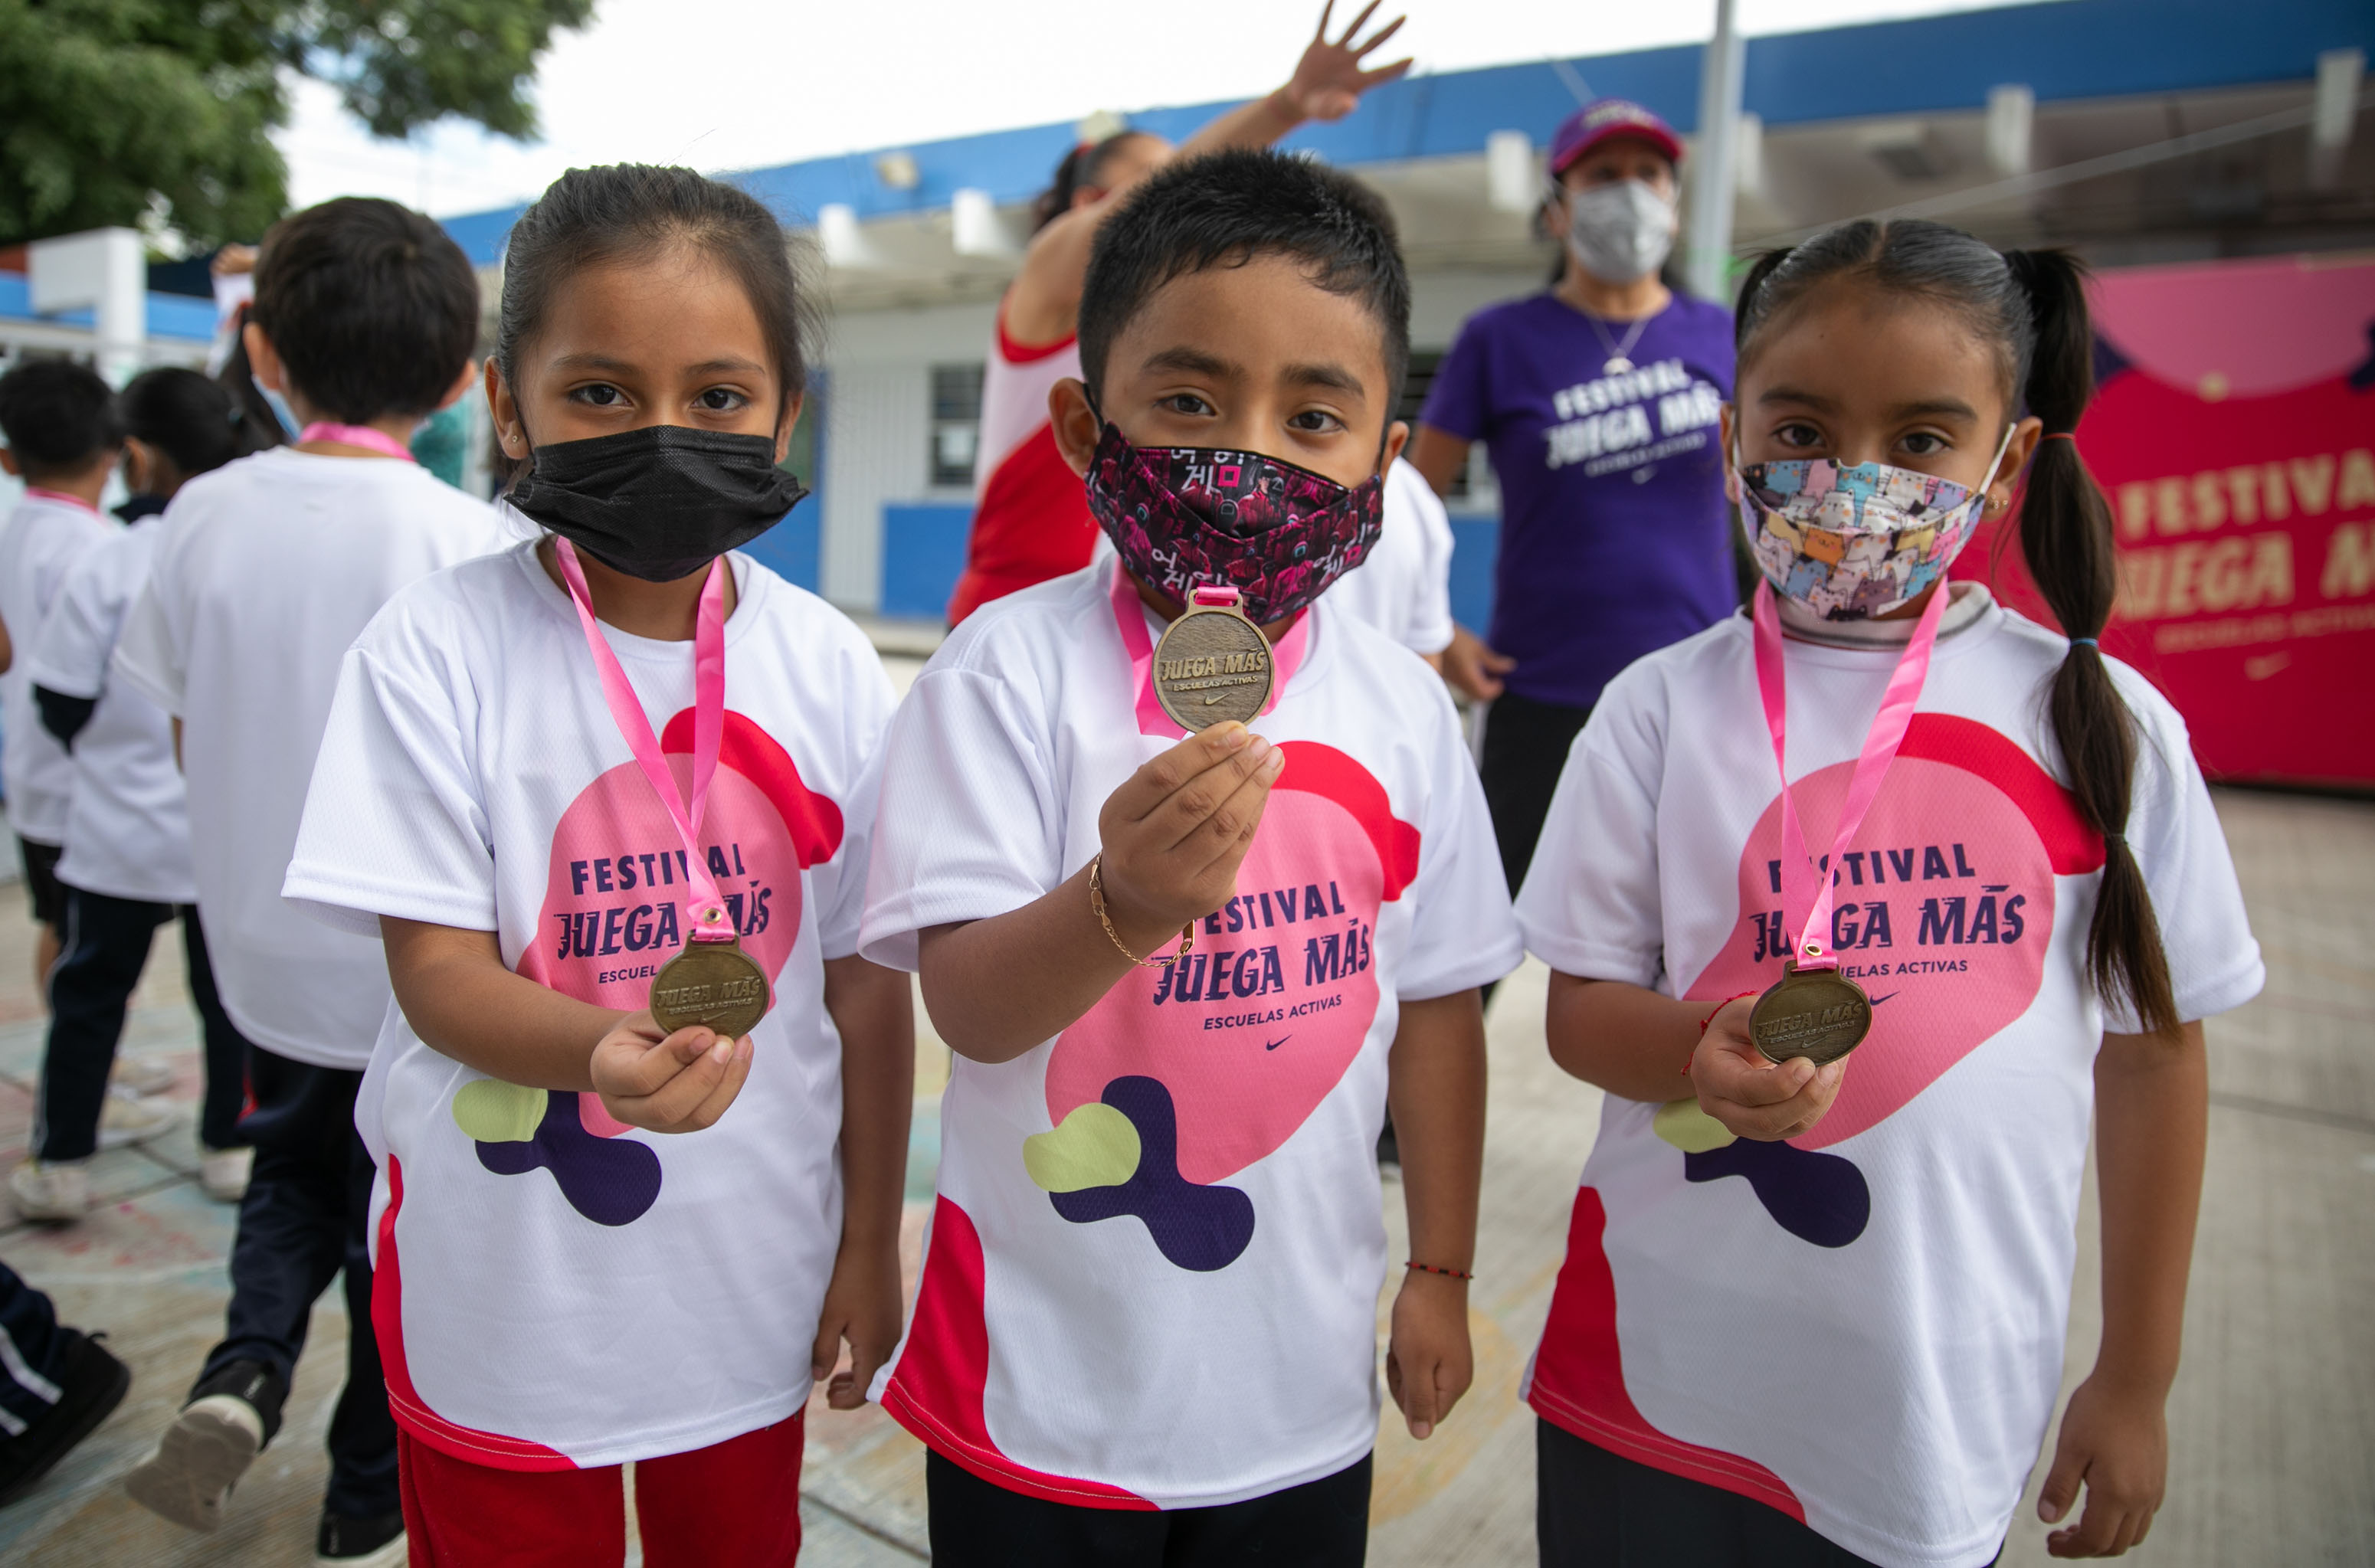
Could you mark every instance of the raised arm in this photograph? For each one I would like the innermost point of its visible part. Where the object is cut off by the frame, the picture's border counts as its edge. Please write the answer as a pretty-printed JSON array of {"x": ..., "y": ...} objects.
[{"x": 1044, "y": 301}]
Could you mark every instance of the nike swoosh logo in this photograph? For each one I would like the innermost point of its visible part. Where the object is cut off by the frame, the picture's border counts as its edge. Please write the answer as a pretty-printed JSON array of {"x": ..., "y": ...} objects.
[
  {"x": 1877, "y": 1000},
  {"x": 1210, "y": 700},
  {"x": 1276, "y": 1043}
]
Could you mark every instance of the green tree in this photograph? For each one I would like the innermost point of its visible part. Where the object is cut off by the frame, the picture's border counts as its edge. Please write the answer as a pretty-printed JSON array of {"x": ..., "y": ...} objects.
[{"x": 161, "y": 111}]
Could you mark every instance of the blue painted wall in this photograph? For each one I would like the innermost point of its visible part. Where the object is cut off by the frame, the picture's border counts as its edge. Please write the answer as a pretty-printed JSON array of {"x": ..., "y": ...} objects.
[
  {"x": 2065, "y": 50},
  {"x": 923, "y": 553},
  {"x": 790, "y": 549},
  {"x": 1475, "y": 546}
]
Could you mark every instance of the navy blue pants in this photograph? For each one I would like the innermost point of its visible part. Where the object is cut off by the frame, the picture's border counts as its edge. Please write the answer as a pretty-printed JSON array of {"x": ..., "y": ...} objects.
[
  {"x": 106, "y": 941},
  {"x": 30, "y": 1354},
  {"x": 977, "y": 1524},
  {"x": 302, "y": 1224}
]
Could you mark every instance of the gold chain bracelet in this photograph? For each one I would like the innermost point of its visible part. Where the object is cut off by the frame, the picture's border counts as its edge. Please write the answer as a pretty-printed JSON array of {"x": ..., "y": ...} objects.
[{"x": 1097, "y": 902}]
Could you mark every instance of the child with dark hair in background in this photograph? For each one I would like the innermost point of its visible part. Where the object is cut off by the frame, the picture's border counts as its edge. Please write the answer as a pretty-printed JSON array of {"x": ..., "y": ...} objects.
[
  {"x": 1184, "y": 977},
  {"x": 59, "y": 421},
  {"x": 1850, "y": 1352},
  {"x": 265, "y": 571},
  {"x": 563, "y": 782},
  {"x": 125, "y": 870}
]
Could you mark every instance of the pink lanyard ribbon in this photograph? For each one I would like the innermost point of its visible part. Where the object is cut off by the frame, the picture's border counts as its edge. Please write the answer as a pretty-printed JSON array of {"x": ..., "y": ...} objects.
[
  {"x": 1129, "y": 616},
  {"x": 363, "y": 436},
  {"x": 1880, "y": 747},
  {"x": 705, "y": 911},
  {"x": 74, "y": 501}
]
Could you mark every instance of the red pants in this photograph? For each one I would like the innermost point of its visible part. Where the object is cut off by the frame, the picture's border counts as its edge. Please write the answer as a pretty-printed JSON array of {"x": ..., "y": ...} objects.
[{"x": 735, "y": 1504}]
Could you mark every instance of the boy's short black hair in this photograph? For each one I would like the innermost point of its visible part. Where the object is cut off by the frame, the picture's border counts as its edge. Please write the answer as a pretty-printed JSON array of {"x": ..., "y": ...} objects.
[
  {"x": 372, "y": 308},
  {"x": 57, "y": 416},
  {"x": 1224, "y": 210}
]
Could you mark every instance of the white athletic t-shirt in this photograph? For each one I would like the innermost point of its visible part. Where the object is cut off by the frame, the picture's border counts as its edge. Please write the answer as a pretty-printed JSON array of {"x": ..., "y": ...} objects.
[
  {"x": 1153, "y": 1273},
  {"x": 44, "y": 537},
  {"x": 472, "y": 776},
  {"x": 128, "y": 830},
  {"x": 1404, "y": 587},
  {"x": 266, "y": 570},
  {"x": 1903, "y": 1269}
]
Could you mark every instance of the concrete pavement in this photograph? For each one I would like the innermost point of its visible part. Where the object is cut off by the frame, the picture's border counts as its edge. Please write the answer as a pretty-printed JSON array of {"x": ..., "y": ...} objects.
[{"x": 2271, "y": 1423}]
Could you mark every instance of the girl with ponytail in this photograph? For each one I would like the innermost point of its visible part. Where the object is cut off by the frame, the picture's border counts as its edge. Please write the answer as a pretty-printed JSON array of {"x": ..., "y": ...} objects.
[{"x": 1990, "y": 845}]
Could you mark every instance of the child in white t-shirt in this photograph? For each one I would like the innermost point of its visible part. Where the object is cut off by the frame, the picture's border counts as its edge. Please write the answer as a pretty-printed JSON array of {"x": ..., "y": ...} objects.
[
  {"x": 264, "y": 572},
  {"x": 126, "y": 869},
  {"x": 1184, "y": 977},
  {"x": 561, "y": 779},
  {"x": 1816, "y": 1312},
  {"x": 59, "y": 422}
]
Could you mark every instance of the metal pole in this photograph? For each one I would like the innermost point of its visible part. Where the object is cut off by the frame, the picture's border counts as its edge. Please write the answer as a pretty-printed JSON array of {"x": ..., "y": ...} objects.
[{"x": 1710, "y": 249}]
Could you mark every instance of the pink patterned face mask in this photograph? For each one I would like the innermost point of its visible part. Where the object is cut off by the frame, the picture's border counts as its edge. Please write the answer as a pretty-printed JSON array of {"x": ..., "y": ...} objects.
[{"x": 1185, "y": 517}]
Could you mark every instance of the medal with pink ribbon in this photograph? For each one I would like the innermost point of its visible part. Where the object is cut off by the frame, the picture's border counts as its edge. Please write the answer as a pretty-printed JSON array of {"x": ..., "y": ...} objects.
[
  {"x": 1814, "y": 1010},
  {"x": 712, "y": 982}
]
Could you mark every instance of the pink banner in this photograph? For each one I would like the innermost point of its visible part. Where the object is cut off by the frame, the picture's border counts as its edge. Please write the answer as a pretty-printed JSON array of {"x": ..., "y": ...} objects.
[{"x": 2234, "y": 434}]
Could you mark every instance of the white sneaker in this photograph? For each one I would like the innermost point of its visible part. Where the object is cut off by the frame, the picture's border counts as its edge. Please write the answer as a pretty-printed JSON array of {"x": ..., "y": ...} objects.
[
  {"x": 143, "y": 1075},
  {"x": 58, "y": 1192},
  {"x": 209, "y": 1448},
  {"x": 127, "y": 1118},
  {"x": 223, "y": 1173}
]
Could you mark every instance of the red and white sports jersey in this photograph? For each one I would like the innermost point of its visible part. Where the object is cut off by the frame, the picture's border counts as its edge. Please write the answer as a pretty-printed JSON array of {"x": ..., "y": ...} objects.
[
  {"x": 1860, "y": 1326},
  {"x": 1031, "y": 515},
  {"x": 1152, "y": 1278}
]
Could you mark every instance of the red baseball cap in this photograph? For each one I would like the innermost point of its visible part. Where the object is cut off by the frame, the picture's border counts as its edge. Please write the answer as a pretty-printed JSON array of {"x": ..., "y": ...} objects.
[{"x": 1603, "y": 119}]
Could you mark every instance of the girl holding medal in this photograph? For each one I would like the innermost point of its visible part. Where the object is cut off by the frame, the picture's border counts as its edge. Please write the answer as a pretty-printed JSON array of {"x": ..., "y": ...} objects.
[
  {"x": 609, "y": 794},
  {"x": 1814, "y": 1304}
]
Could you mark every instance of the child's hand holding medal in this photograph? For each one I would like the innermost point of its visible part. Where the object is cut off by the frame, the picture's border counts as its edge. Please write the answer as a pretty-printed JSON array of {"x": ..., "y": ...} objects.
[
  {"x": 1175, "y": 833},
  {"x": 1753, "y": 1095}
]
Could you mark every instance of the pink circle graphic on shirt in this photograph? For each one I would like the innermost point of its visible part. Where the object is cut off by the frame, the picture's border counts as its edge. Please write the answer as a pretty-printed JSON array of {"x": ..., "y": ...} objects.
[
  {"x": 613, "y": 912},
  {"x": 1943, "y": 906},
  {"x": 1253, "y": 1030}
]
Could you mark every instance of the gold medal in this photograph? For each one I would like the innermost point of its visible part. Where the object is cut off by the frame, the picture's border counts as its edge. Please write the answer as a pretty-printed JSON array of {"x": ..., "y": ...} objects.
[
  {"x": 1819, "y": 1014},
  {"x": 715, "y": 984},
  {"x": 1212, "y": 665}
]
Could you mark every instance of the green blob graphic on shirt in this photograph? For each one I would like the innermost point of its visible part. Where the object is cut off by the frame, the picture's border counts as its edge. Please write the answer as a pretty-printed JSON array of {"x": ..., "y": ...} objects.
[
  {"x": 1688, "y": 1128},
  {"x": 1093, "y": 1146},
  {"x": 494, "y": 1111}
]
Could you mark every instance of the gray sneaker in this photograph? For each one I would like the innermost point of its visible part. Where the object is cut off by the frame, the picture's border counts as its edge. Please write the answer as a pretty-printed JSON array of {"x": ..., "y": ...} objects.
[{"x": 209, "y": 1447}]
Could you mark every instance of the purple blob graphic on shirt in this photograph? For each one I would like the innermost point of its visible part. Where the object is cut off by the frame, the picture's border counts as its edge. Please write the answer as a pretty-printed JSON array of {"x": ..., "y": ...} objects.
[
  {"x": 1820, "y": 1198},
  {"x": 1202, "y": 1229},
  {"x": 609, "y": 1181}
]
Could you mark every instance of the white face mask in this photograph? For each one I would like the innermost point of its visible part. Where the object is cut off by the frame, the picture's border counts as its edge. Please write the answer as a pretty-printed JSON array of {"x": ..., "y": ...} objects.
[{"x": 1620, "y": 233}]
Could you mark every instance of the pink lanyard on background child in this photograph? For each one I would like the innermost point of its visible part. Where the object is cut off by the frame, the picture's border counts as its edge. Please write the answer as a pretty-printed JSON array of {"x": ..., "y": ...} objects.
[
  {"x": 1880, "y": 747},
  {"x": 1129, "y": 616},
  {"x": 705, "y": 911},
  {"x": 380, "y": 441},
  {"x": 77, "y": 500}
]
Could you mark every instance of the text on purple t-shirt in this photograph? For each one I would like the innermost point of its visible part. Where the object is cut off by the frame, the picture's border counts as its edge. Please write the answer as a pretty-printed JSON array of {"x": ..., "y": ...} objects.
[{"x": 1615, "y": 536}]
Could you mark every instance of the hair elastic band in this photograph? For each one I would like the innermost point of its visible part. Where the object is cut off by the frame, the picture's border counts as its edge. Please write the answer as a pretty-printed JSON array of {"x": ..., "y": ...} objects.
[
  {"x": 2063, "y": 435},
  {"x": 2085, "y": 643}
]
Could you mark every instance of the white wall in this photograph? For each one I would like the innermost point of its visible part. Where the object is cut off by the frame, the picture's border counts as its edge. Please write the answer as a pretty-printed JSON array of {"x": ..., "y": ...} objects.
[{"x": 878, "y": 419}]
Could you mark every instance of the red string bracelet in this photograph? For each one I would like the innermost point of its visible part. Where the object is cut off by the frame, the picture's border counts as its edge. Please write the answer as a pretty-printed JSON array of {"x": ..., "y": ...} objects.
[
  {"x": 1710, "y": 1019},
  {"x": 1431, "y": 1268}
]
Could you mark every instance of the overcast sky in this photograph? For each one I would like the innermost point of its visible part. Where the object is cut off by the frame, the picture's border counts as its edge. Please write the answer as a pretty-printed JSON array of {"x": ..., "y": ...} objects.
[{"x": 744, "y": 84}]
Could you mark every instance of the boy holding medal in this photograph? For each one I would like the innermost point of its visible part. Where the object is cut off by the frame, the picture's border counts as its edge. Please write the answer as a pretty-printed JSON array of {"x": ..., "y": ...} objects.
[{"x": 1184, "y": 977}]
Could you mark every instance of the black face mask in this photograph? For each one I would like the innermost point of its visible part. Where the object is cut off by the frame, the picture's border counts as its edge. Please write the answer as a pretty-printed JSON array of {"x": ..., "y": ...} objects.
[{"x": 660, "y": 502}]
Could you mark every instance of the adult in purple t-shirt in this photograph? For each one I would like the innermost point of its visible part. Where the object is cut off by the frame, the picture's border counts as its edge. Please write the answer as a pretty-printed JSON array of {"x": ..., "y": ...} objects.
[{"x": 1598, "y": 402}]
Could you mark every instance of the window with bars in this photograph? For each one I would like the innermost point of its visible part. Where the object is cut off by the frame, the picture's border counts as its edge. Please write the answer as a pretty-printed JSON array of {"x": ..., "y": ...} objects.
[
  {"x": 1423, "y": 366},
  {"x": 955, "y": 424}
]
